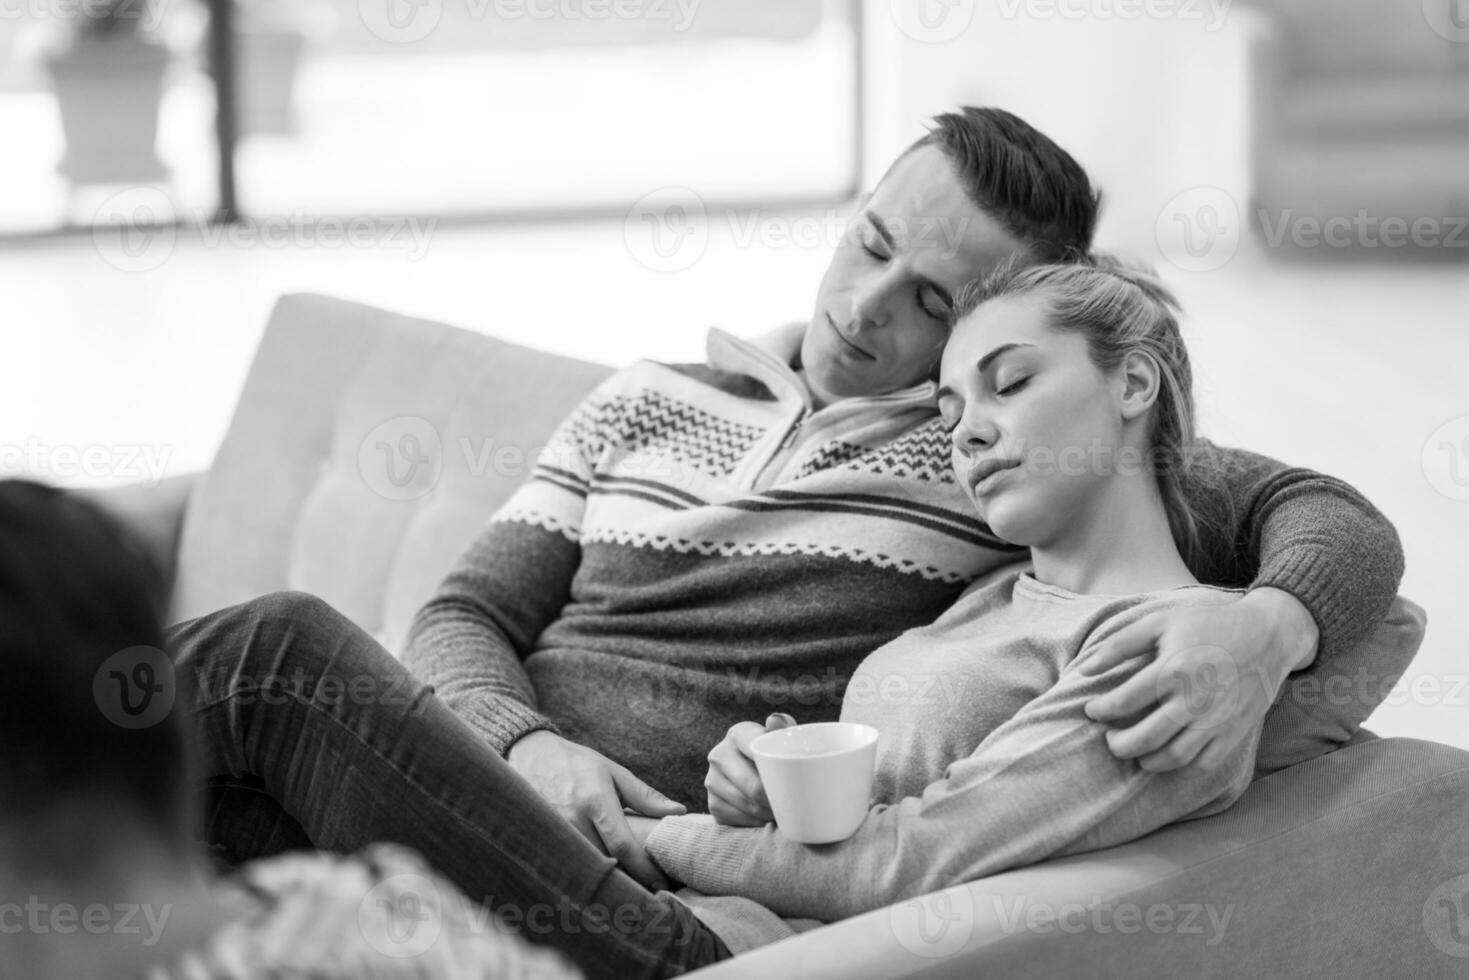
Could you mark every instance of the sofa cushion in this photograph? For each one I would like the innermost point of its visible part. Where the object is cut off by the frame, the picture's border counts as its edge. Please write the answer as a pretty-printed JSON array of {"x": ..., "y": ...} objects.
[
  {"x": 1322, "y": 707},
  {"x": 366, "y": 451}
]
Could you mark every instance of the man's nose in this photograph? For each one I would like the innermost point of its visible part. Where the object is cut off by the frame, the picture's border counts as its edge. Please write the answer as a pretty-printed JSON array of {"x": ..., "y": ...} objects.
[{"x": 870, "y": 302}]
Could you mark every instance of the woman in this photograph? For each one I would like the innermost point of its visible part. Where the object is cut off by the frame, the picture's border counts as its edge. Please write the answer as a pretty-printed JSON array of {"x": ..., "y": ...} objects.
[{"x": 1068, "y": 391}]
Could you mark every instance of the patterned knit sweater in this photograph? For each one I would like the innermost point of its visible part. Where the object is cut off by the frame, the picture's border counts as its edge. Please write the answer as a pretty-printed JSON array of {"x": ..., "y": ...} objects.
[{"x": 698, "y": 546}]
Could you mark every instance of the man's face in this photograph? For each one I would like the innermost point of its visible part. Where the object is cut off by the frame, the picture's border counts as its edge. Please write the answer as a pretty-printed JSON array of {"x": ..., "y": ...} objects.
[{"x": 883, "y": 306}]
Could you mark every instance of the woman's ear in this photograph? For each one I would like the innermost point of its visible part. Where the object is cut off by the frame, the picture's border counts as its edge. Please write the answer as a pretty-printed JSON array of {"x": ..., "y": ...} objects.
[{"x": 1141, "y": 382}]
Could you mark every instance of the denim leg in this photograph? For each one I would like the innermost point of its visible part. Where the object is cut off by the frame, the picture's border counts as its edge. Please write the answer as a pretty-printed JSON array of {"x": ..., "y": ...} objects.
[
  {"x": 292, "y": 697},
  {"x": 240, "y": 821}
]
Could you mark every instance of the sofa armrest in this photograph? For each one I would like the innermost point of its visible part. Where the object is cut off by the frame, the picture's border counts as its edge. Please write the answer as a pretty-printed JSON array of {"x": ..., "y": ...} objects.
[
  {"x": 1325, "y": 869},
  {"x": 152, "y": 511}
]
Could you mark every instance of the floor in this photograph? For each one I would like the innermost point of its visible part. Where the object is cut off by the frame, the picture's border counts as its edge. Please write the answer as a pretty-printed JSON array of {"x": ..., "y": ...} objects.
[{"x": 123, "y": 364}]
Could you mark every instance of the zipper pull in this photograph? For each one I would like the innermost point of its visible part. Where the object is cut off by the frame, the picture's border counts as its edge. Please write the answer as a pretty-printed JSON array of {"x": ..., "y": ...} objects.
[{"x": 790, "y": 438}]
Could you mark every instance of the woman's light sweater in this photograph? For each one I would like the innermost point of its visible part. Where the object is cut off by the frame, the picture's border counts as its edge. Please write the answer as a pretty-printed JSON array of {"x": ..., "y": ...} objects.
[{"x": 986, "y": 761}]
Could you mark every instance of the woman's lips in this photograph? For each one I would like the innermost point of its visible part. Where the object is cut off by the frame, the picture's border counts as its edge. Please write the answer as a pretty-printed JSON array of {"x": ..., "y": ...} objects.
[
  {"x": 856, "y": 351},
  {"x": 982, "y": 475}
]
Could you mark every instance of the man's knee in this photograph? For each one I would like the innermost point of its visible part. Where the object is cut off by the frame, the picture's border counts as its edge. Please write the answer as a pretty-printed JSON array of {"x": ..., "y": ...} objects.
[{"x": 261, "y": 635}]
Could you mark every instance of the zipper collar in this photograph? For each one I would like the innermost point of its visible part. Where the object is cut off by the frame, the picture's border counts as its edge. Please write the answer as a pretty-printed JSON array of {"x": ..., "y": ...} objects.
[{"x": 768, "y": 359}]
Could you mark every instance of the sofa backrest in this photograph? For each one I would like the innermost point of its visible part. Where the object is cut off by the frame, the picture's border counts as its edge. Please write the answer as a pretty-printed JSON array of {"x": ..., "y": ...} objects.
[{"x": 365, "y": 452}]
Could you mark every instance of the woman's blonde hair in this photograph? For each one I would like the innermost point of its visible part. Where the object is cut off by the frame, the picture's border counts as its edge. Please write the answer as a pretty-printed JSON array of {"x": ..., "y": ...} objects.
[{"x": 1121, "y": 309}]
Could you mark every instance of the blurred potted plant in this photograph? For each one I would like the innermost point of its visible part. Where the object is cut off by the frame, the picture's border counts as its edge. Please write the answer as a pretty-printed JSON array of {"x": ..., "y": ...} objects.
[
  {"x": 107, "y": 70},
  {"x": 273, "y": 38}
]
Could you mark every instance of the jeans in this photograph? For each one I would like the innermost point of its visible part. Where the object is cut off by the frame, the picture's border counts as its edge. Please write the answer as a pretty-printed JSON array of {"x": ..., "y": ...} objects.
[{"x": 311, "y": 735}]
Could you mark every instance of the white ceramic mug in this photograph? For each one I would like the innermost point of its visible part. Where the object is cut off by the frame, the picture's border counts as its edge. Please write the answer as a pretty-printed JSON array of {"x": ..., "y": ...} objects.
[{"x": 818, "y": 778}]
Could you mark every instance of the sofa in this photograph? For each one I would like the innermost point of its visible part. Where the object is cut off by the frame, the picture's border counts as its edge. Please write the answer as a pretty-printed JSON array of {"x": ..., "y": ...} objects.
[{"x": 366, "y": 449}]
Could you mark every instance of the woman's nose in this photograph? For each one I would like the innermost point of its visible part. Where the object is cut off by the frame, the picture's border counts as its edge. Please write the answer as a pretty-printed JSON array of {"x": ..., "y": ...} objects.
[{"x": 971, "y": 437}]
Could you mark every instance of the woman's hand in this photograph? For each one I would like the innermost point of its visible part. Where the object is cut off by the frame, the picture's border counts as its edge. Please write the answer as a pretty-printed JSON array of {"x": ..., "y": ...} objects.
[{"x": 736, "y": 795}]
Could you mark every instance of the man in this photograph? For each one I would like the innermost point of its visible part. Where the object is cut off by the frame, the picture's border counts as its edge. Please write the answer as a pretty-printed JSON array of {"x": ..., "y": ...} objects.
[{"x": 706, "y": 544}]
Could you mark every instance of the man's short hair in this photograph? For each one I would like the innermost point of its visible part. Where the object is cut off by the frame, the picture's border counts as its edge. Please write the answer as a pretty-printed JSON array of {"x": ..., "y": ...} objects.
[
  {"x": 75, "y": 589},
  {"x": 1019, "y": 176}
]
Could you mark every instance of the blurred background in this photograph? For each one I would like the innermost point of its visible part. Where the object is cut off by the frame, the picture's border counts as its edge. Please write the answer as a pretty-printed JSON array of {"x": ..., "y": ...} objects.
[{"x": 607, "y": 178}]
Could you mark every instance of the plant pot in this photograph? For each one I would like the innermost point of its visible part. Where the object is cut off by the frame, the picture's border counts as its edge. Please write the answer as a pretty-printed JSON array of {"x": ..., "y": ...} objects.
[
  {"x": 270, "y": 58},
  {"x": 109, "y": 92}
]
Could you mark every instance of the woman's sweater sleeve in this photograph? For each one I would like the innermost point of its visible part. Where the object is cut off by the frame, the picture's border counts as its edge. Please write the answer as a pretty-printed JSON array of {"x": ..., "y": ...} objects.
[
  {"x": 1042, "y": 784},
  {"x": 470, "y": 639},
  {"x": 1314, "y": 536}
]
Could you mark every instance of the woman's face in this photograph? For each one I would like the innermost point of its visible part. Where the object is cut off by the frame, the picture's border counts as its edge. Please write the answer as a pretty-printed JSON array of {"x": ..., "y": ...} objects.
[{"x": 1035, "y": 424}]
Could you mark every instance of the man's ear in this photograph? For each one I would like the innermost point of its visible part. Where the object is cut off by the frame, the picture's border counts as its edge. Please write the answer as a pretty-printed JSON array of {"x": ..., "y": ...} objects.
[{"x": 1141, "y": 382}]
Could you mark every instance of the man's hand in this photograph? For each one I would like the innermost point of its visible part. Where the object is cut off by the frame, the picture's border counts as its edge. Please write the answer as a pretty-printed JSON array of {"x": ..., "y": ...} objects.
[
  {"x": 590, "y": 791},
  {"x": 1216, "y": 672},
  {"x": 736, "y": 795}
]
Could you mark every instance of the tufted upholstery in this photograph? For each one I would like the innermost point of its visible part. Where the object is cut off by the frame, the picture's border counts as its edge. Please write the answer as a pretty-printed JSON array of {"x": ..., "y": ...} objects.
[{"x": 367, "y": 449}]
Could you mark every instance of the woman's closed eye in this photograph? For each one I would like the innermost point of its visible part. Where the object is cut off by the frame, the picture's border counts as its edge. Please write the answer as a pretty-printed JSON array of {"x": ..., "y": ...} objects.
[{"x": 1013, "y": 387}]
